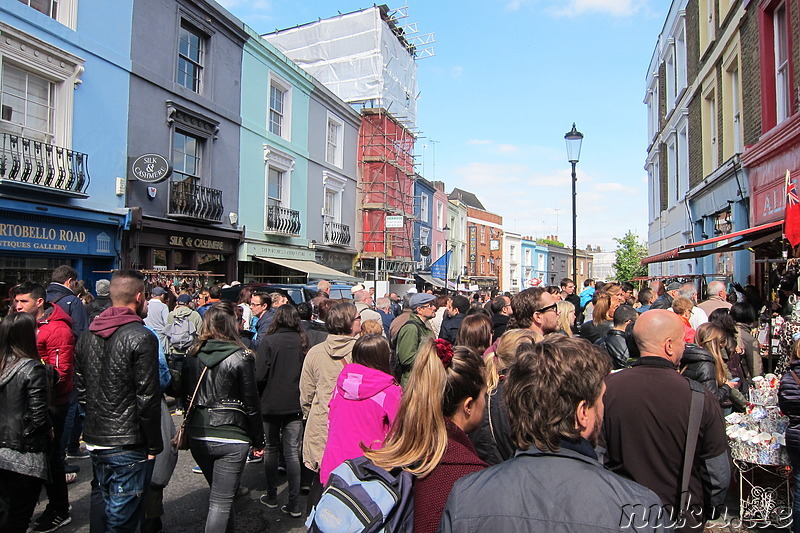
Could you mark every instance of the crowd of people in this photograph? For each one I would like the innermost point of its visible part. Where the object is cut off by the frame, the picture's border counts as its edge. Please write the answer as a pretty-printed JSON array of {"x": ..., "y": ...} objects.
[{"x": 543, "y": 410}]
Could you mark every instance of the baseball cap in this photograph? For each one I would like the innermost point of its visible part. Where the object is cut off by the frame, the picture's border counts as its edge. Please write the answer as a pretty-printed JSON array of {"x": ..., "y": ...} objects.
[
  {"x": 674, "y": 286},
  {"x": 421, "y": 299},
  {"x": 184, "y": 299},
  {"x": 159, "y": 291}
]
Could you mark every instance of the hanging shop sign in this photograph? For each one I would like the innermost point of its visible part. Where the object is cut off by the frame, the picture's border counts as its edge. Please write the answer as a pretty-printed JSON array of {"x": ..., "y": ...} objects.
[
  {"x": 151, "y": 168},
  {"x": 47, "y": 237},
  {"x": 473, "y": 244}
]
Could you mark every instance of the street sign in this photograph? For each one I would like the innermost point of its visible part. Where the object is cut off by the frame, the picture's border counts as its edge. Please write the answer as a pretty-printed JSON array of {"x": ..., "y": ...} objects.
[{"x": 394, "y": 221}]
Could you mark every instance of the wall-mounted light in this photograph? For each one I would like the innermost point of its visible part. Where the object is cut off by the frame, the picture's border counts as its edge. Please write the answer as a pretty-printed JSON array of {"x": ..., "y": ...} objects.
[{"x": 233, "y": 217}]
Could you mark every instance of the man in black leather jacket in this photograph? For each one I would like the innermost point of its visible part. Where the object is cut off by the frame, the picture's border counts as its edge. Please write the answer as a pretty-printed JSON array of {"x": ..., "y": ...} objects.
[
  {"x": 116, "y": 375},
  {"x": 615, "y": 341}
]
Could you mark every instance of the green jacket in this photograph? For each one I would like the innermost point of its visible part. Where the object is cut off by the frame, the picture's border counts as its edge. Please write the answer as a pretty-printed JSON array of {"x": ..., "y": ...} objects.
[{"x": 409, "y": 338}]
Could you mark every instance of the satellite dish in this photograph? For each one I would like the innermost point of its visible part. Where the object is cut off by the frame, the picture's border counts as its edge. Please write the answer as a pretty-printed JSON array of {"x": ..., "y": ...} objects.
[{"x": 425, "y": 251}]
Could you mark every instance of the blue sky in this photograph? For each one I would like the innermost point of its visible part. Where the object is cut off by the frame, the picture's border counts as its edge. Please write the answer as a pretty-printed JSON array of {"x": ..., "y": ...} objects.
[{"x": 508, "y": 79}]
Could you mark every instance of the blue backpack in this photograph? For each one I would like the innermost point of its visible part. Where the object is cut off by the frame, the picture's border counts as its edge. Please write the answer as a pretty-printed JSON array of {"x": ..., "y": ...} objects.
[{"x": 362, "y": 497}]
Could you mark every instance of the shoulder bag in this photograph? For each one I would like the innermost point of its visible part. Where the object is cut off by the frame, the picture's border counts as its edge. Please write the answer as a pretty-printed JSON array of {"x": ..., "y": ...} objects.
[{"x": 181, "y": 441}]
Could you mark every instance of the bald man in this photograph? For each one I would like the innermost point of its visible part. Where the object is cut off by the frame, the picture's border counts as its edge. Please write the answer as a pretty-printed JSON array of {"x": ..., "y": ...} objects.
[{"x": 647, "y": 416}]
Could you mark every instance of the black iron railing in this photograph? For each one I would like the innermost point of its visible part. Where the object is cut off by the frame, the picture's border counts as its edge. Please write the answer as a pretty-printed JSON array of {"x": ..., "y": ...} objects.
[
  {"x": 335, "y": 233},
  {"x": 40, "y": 164},
  {"x": 188, "y": 200},
  {"x": 282, "y": 220}
]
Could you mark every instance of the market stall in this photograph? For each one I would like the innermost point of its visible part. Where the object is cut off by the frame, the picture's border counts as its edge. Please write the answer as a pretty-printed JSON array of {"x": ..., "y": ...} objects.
[{"x": 756, "y": 439}]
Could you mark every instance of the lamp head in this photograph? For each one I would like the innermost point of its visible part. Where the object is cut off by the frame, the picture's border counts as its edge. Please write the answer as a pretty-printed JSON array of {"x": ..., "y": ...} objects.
[{"x": 574, "y": 139}]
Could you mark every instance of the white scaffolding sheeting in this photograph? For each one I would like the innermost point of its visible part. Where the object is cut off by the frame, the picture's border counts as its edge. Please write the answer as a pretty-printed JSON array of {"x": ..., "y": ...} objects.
[{"x": 357, "y": 57}]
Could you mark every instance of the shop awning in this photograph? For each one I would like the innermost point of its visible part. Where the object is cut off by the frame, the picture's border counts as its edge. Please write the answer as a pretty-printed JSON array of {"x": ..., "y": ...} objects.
[
  {"x": 738, "y": 240},
  {"x": 314, "y": 270},
  {"x": 427, "y": 278}
]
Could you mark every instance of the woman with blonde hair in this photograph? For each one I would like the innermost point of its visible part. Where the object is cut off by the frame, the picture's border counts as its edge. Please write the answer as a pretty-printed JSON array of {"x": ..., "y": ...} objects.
[
  {"x": 566, "y": 317},
  {"x": 444, "y": 401},
  {"x": 493, "y": 439},
  {"x": 703, "y": 363}
]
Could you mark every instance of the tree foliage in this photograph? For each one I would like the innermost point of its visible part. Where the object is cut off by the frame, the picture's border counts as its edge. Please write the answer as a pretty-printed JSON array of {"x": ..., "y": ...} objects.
[
  {"x": 551, "y": 242},
  {"x": 630, "y": 253}
]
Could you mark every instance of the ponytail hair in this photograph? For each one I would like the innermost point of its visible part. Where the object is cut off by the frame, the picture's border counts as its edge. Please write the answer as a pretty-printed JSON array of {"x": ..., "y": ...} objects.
[
  {"x": 506, "y": 353},
  {"x": 441, "y": 379}
]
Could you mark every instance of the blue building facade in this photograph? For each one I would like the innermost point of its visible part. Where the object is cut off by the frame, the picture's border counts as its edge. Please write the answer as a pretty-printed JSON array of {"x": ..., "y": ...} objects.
[
  {"x": 274, "y": 166},
  {"x": 533, "y": 264},
  {"x": 423, "y": 216},
  {"x": 63, "y": 134}
]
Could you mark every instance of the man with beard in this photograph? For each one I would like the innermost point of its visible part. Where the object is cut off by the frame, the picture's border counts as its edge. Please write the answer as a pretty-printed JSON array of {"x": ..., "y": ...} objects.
[
  {"x": 116, "y": 374},
  {"x": 554, "y": 393}
]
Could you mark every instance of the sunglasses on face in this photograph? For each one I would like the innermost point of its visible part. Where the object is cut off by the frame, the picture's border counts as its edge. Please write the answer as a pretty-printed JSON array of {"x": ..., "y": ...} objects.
[{"x": 553, "y": 307}]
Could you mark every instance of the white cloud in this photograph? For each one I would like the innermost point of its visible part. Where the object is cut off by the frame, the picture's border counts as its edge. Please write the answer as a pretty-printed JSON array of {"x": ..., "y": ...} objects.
[
  {"x": 507, "y": 148},
  {"x": 617, "y": 8},
  {"x": 614, "y": 187},
  {"x": 456, "y": 72},
  {"x": 539, "y": 203}
]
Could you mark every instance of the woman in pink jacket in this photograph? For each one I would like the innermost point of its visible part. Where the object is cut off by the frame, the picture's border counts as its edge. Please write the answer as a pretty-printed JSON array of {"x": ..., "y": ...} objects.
[{"x": 363, "y": 406}]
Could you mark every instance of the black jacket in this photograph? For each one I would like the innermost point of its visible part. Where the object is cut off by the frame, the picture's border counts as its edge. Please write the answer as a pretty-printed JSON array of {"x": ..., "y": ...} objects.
[
  {"x": 315, "y": 331},
  {"x": 64, "y": 298},
  {"x": 97, "y": 306},
  {"x": 615, "y": 343},
  {"x": 450, "y": 325},
  {"x": 698, "y": 364},
  {"x": 228, "y": 395},
  {"x": 116, "y": 375},
  {"x": 662, "y": 302},
  {"x": 789, "y": 402},
  {"x": 499, "y": 325},
  {"x": 279, "y": 362},
  {"x": 24, "y": 425},
  {"x": 492, "y": 440}
]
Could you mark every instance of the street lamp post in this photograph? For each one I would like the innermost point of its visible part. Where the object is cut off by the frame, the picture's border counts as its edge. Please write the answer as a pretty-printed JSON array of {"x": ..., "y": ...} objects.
[
  {"x": 574, "y": 139},
  {"x": 446, "y": 230}
]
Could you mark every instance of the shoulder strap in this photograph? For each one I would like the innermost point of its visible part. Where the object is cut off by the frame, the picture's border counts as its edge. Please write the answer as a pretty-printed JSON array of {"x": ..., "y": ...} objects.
[
  {"x": 194, "y": 395},
  {"x": 692, "y": 433}
]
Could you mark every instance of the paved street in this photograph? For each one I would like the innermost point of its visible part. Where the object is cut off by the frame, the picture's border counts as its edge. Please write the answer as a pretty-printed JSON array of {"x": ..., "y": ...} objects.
[{"x": 186, "y": 501}]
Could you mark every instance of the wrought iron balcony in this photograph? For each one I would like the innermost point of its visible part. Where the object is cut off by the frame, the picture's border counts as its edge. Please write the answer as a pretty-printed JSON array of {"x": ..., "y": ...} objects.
[
  {"x": 335, "y": 233},
  {"x": 283, "y": 221},
  {"x": 38, "y": 165},
  {"x": 191, "y": 201}
]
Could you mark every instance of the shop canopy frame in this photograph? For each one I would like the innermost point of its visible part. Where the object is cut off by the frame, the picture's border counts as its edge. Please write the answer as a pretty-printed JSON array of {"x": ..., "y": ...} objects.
[
  {"x": 314, "y": 271},
  {"x": 739, "y": 240}
]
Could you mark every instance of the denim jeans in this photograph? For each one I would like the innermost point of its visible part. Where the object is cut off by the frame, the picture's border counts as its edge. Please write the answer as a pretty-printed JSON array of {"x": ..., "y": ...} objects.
[
  {"x": 73, "y": 425},
  {"x": 289, "y": 430},
  {"x": 122, "y": 477},
  {"x": 222, "y": 464}
]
